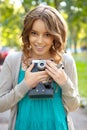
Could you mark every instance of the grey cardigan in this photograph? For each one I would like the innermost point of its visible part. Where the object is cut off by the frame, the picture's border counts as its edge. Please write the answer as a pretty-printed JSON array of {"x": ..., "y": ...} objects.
[{"x": 11, "y": 92}]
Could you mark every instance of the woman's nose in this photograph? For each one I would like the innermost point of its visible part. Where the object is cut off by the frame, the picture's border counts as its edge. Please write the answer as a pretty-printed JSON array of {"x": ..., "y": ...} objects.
[{"x": 40, "y": 39}]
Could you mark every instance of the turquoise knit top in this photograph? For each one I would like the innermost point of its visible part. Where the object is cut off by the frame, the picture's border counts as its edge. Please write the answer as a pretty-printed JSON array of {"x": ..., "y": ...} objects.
[{"x": 41, "y": 114}]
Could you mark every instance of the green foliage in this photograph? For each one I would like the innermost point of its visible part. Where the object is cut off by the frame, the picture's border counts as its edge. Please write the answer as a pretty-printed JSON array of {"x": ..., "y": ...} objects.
[
  {"x": 77, "y": 19},
  {"x": 81, "y": 64},
  {"x": 10, "y": 24}
]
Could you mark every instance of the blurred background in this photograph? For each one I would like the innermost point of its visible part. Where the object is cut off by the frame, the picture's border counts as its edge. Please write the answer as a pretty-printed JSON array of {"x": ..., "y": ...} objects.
[{"x": 12, "y": 13}]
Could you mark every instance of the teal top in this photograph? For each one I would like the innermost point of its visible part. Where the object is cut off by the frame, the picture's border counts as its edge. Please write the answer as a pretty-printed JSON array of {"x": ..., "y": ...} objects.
[{"x": 41, "y": 114}]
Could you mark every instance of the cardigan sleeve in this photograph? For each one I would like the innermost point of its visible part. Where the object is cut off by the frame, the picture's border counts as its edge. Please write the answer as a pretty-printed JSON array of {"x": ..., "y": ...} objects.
[
  {"x": 9, "y": 95},
  {"x": 70, "y": 93}
]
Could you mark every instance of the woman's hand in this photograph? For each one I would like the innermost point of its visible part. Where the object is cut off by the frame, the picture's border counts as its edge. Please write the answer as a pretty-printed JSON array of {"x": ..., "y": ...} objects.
[
  {"x": 33, "y": 78},
  {"x": 58, "y": 74}
]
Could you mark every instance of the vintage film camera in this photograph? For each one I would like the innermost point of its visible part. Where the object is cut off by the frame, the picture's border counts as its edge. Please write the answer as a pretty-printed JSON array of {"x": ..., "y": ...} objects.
[{"x": 42, "y": 90}]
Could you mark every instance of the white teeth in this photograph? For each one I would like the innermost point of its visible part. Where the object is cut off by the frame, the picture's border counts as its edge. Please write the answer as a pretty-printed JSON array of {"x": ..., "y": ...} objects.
[{"x": 39, "y": 47}]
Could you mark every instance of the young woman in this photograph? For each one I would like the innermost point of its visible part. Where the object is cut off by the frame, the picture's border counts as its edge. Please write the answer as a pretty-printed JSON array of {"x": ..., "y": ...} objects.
[{"x": 44, "y": 37}]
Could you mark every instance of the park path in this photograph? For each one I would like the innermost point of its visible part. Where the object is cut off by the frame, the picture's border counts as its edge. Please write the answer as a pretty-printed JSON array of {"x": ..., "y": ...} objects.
[{"x": 79, "y": 118}]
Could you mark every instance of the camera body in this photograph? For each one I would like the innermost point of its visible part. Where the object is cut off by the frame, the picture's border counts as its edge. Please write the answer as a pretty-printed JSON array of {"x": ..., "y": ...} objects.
[{"x": 42, "y": 90}]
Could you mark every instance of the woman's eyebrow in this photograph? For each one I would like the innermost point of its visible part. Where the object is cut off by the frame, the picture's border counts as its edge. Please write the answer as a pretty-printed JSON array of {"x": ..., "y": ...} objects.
[
  {"x": 33, "y": 30},
  {"x": 38, "y": 31}
]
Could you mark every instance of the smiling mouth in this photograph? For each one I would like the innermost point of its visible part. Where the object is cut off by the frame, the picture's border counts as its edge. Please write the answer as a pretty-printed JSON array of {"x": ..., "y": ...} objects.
[{"x": 39, "y": 47}]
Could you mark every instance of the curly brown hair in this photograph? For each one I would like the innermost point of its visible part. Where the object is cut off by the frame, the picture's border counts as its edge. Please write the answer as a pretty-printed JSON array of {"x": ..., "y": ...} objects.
[{"x": 55, "y": 25}]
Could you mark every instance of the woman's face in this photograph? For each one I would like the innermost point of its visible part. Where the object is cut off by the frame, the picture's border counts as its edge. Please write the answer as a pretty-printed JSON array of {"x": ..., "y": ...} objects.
[{"x": 40, "y": 40}]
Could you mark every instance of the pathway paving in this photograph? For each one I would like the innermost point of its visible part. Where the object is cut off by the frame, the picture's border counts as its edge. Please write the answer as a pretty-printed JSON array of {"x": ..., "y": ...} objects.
[{"x": 79, "y": 118}]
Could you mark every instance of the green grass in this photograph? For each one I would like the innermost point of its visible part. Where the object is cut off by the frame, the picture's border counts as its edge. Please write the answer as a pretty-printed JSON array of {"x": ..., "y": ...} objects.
[{"x": 81, "y": 63}]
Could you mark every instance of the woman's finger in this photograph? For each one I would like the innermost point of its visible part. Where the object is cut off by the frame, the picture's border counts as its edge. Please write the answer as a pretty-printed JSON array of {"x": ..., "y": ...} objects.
[{"x": 30, "y": 67}]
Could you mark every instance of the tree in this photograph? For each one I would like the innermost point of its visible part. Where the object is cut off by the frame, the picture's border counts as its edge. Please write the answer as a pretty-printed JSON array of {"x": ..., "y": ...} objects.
[
  {"x": 9, "y": 24},
  {"x": 77, "y": 18}
]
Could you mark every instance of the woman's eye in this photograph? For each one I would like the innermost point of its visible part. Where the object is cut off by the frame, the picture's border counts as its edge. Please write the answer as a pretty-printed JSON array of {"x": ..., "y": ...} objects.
[
  {"x": 33, "y": 33},
  {"x": 47, "y": 35}
]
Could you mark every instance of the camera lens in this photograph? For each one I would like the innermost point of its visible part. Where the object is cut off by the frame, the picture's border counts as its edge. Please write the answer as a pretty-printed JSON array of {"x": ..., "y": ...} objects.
[{"x": 41, "y": 65}]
